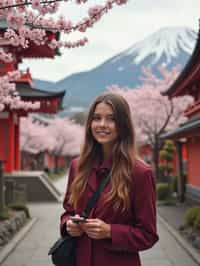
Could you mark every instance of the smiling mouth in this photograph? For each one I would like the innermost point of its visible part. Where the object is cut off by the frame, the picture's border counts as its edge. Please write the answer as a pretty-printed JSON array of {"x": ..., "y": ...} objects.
[{"x": 102, "y": 133}]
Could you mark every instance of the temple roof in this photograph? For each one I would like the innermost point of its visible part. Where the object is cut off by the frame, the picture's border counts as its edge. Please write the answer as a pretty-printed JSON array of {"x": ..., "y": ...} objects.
[
  {"x": 27, "y": 92},
  {"x": 181, "y": 80},
  {"x": 193, "y": 124}
]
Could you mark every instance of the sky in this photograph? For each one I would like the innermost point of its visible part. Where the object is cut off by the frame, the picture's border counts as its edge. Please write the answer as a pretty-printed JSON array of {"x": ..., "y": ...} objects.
[{"x": 118, "y": 30}]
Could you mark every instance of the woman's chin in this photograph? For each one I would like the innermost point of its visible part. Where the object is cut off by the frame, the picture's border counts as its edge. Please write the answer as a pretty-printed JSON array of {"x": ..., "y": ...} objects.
[{"x": 103, "y": 141}]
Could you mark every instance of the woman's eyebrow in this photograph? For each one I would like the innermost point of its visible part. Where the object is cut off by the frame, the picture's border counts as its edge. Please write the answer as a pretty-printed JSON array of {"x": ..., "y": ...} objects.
[
  {"x": 111, "y": 114},
  {"x": 96, "y": 114}
]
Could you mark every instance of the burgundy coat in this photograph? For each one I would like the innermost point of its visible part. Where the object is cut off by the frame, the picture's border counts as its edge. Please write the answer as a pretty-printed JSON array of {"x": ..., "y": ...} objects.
[{"x": 131, "y": 231}]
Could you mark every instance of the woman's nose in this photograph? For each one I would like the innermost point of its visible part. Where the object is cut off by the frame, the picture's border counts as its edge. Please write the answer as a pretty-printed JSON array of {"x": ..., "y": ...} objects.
[{"x": 102, "y": 122}]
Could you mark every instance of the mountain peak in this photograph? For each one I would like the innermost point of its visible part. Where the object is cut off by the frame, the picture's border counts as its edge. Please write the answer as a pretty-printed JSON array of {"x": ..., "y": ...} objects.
[{"x": 165, "y": 42}]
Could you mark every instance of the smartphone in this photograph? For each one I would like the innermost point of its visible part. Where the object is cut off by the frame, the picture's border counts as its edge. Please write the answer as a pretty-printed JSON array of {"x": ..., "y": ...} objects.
[{"x": 77, "y": 219}]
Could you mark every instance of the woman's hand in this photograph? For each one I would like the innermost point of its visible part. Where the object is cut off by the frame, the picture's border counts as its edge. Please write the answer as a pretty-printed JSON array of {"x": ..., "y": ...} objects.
[
  {"x": 73, "y": 229},
  {"x": 96, "y": 229}
]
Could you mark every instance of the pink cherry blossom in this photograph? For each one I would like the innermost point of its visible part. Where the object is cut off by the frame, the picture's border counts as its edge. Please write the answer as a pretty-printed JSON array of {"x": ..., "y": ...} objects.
[
  {"x": 36, "y": 4},
  {"x": 57, "y": 138}
]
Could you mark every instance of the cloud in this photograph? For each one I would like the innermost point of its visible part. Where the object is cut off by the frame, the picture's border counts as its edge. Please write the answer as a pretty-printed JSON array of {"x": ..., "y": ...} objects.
[{"x": 169, "y": 6}]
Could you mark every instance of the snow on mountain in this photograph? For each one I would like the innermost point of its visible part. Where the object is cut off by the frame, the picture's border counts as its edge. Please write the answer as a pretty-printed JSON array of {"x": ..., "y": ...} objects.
[
  {"x": 166, "y": 41},
  {"x": 167, "y": 47}
]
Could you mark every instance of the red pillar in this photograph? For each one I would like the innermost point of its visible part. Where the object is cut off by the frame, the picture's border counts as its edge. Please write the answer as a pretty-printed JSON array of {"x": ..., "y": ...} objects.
[
  {"x": 4, "y": 142},
  {"x": 11, "y": 144},
  {"x": 17, "y": 145}
]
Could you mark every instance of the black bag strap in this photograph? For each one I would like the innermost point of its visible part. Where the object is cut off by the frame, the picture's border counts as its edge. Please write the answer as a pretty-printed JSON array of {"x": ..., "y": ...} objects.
[{"x": 95, "y": 196}]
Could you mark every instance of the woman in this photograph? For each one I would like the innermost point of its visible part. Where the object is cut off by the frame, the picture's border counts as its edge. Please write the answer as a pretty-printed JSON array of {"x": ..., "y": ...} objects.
[{"x": 123, "y": 222}]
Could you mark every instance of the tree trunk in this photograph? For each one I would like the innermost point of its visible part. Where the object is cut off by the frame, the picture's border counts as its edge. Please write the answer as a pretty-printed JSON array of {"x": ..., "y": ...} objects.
[
  {"x": 156, "y": 159},
  {"x": 40, "y": 161},
  {"x": 22, "y": 160}
]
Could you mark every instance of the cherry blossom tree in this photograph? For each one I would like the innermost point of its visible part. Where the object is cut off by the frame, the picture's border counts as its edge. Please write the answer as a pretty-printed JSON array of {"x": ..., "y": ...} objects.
[
  {"x": 34, "y": 140},
  {"x": 153, "y": 114},
  {"x": 68, "y": 137},
  {"x": 61, "y": 137}
]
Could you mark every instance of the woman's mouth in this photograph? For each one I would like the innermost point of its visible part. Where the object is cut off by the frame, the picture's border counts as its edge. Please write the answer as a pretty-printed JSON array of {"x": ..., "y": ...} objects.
[{"x": 102, "y": 133}]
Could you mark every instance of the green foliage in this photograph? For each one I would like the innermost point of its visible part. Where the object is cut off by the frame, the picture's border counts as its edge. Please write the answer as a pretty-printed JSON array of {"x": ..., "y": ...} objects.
[
  {"x": 167, "y": 151},
  {"x": 167, "y": 202},
  {"x": 163, "y": 191},
  {"x": 192, "y": 217},
  {"x": 4, "y": 215},
  {"x": 197, "y": 222},
  {"x": 174, "y": 184},
  {"x": 166, "y": 155},
  {"x": 165, "y": 171},
  {"x": 20, "y": 207},
  {"x": 163, "y": 167},
  {"x": 169, "y": 146}
]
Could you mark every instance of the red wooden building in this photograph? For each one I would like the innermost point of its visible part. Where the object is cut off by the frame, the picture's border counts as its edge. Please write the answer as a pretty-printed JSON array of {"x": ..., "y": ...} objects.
[
  {"x": 188, "y": 134},
  {"x": 50, "y": 102},
  {"x": 9, "y": 119}
]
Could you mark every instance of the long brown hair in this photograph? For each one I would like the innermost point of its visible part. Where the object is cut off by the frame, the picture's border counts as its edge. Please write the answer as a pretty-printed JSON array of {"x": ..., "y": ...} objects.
[{"x": 123, "y": 154}]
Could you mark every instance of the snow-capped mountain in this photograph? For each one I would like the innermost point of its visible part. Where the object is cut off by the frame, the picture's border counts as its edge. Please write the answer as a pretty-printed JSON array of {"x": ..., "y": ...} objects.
[
  {"x": 166, "y": 42},
  {"x": 167, "y": 47}
]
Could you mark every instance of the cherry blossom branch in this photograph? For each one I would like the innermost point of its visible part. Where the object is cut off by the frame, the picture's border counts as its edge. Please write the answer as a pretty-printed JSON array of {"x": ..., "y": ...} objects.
[
  {"x": 29, "y": 3},
  {"x": 36, "y": 32},
  {"x": 168, "y": 116},
  {"x": 95, "y": 13}
]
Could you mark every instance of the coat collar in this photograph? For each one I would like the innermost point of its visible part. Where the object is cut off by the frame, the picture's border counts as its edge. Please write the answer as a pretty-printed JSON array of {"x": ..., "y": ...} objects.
[
  {"x": 98, "y": 170},
  {"x": 107, "y": 164}
]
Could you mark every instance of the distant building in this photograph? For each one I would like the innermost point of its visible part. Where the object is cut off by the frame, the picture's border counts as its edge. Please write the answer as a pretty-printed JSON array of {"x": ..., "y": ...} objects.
[{"x": 188, "y": 134}]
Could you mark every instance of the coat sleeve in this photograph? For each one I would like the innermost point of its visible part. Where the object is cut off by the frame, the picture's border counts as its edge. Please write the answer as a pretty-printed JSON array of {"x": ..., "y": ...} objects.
[
  {"x": 142, "y": 234},
  {"x": 69, "y": 211}
]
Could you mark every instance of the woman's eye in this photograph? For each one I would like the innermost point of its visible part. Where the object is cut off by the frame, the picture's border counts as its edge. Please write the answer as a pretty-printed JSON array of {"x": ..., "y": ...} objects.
[
  {"x": 96, "y": 118},
  {"x": 111, "y": 118},
  {"x": 108, "y": 119}
]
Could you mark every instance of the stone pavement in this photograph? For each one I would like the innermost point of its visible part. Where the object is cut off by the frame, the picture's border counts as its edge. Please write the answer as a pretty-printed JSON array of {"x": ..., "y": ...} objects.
[
  {"x": 32, "y": 250},
  {"x": 174, "y": 214}
]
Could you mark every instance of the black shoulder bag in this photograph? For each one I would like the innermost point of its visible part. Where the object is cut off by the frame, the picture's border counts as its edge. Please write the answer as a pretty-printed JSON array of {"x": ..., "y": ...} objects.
[{"x": 63, "y": 251}]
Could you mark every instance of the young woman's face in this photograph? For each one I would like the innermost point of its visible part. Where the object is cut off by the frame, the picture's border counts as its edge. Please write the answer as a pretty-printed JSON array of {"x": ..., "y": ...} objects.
[{"x": 103, "y": 124}]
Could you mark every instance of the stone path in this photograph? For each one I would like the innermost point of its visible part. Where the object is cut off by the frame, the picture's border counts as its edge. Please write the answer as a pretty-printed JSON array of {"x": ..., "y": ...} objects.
[{"x": 33, "y": 249}]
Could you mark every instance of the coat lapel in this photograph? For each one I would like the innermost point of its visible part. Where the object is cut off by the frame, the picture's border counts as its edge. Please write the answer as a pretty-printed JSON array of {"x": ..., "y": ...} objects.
[{"x": 92, "y": 181}]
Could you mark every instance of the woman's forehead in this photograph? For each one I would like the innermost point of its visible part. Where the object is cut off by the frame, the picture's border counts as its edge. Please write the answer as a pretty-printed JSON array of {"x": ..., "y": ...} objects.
[{"x": 103, "y": 107}]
